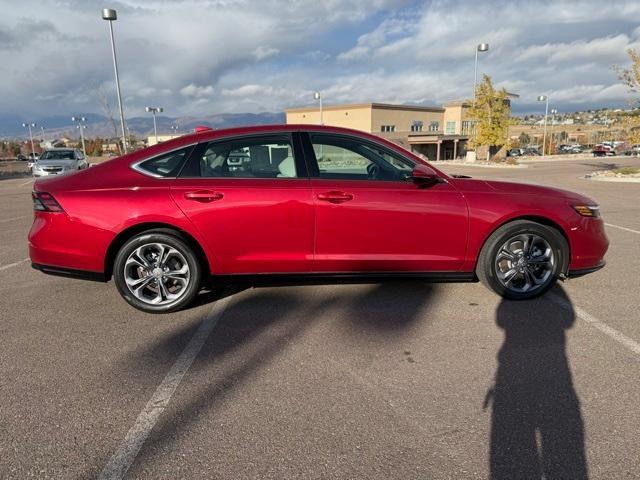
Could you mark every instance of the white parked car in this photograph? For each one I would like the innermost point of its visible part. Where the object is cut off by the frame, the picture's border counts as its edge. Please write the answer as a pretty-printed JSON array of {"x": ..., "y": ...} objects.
[{"x": 58, "y": 161}]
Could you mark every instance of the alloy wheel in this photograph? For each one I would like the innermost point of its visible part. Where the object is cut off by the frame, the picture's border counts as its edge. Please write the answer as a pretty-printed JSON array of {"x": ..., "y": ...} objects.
[
  {"x": 157, "y": 274},
  {"x": 525, "y": 263}
]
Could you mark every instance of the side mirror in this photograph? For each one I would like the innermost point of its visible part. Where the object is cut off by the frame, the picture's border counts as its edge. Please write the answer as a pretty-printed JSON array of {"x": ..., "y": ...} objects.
[{"x": 423, "y": 177}]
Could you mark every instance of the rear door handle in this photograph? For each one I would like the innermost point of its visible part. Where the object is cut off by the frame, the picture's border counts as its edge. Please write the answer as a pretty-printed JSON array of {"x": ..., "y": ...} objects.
[
  {"x": 204, "y": 196},
  {"x": 335, "y": 197}
]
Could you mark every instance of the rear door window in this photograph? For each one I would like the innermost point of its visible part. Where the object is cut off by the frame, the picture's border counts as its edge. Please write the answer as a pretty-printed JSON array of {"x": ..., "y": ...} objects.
[{"x": 257, "y": 157}]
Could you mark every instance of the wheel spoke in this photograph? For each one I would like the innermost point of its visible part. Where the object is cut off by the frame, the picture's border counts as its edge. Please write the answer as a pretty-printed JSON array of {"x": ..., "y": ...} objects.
[
  {"x": 138, "y": 258},
  {"x": 504, "y": 253},
  {"x": 509, "y": 276},
  {"x": 162, "y": 255},
  {"x": 137, "y": 290},
  {"x": 162, "y": 288},
  {"x": 528, "y": 280},
  {"x": 137, "y": 282}
]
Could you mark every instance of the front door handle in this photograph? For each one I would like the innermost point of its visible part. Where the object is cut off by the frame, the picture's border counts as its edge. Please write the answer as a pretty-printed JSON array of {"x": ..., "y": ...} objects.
[
  {"x": 204, "y": 196},
  {"x": 335, "y": 197}
]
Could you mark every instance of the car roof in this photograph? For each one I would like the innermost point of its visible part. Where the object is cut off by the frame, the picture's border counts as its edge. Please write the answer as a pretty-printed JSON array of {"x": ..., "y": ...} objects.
[
  {"x": 206, "y": 135},
  {"x": 60, "y": 149},
  {"x": 224, "y": 132}
]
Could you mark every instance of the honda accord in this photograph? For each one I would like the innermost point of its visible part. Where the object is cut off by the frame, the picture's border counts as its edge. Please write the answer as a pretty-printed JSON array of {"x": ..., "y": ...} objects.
[{"x": 300, "y": 203}]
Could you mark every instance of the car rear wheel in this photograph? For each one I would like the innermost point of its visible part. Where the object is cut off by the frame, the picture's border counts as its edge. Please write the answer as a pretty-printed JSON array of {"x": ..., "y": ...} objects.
[
  {"x": 157, "y": 272},
  {"x": 522, "y": 259}
]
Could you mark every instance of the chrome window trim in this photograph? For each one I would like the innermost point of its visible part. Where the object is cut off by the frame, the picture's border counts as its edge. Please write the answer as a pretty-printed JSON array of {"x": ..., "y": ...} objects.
[{"x": 136, "y": 166}]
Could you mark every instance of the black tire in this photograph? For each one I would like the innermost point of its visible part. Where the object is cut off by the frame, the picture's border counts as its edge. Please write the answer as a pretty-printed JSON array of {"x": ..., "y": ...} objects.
[
  {"x": 488, "y": 267},
  {"x": 149, "y": 242}
]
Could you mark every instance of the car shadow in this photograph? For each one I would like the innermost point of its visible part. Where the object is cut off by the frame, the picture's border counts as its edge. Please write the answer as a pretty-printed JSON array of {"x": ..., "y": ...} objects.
[
  {"x": 537, "y": 429},
  {"x": 371, "y": 310},
  {"x": 253, "y": 332}
]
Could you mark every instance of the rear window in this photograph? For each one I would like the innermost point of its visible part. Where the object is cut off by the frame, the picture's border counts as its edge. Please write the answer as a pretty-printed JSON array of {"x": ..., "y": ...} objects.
[{"x": 165, "y": 165}]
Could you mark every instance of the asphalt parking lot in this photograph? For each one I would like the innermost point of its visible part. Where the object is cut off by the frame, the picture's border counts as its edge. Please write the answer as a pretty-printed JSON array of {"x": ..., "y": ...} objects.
[{"x": 399, "y": 380}]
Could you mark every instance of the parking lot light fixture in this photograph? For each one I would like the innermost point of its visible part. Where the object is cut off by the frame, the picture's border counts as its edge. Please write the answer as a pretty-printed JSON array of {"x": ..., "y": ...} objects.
[
  {"x": 30, "y": 126},
  {"x": 110, "y": 15},
  {"x": 544, "y": 98},
  {"x": 317, "y": 96},
  {"x": 481, "y": 47},
  {"x": 154, "y": 111},
  {"x": 81, "y": 125}
]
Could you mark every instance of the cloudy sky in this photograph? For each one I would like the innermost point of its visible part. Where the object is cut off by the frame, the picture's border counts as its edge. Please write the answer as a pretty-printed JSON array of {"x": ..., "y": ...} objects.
[{"x": 203, "y": 57}]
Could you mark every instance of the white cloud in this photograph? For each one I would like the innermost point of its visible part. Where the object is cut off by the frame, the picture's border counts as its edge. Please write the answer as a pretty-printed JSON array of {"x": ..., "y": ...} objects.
[
  {"x": 263, "y": 52},
  {"x": 196, "y": 91}
]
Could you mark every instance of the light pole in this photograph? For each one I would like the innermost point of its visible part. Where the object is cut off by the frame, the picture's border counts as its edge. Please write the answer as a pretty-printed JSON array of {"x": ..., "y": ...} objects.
[
  {"x": 317, "y": 96},
  {"x": 42, "y": 132},
  {"x": 110, "y": 15},
  {"x": 81, "y": 125},
  {"x": 174, "y": 129},
  {"x": 482, "y": 47},
  {"x": 544, "y": 98},
  {"x": 154, "y": 111},
  {"x": 29, "y": 126}
]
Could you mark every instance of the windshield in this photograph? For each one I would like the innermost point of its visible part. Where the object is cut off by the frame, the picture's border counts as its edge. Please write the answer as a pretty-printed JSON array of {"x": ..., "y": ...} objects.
[{"x": 57, "y": 155}]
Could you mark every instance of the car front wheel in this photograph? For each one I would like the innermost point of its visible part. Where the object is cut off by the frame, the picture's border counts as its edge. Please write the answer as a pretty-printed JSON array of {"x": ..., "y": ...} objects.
[
  {"x": 522, "y": 259},
  {"x": 157, "y": 272}
]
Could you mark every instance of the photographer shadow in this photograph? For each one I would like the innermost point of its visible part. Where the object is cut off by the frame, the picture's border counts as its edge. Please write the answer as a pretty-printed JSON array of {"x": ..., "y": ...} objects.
[{"x": 537, "y": 429}]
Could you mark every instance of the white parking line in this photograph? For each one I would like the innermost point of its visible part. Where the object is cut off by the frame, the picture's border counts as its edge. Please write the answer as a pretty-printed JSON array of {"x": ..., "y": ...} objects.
[
  {"x": 15, "y": 218},
  {"x": 128, "y": 450},
  {"x": 619, "y": 337},
  {"x": 15, "y": 264},
  {"x": 623, "y": 228},
  {"x": 26, "y": 183}
]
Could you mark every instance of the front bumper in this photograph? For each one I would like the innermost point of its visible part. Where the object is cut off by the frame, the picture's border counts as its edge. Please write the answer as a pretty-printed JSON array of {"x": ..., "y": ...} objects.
[
  {"x": 42, "y": 173},
  {"x": 589, "y": 243},
  {"x": 586, "y": 271}
]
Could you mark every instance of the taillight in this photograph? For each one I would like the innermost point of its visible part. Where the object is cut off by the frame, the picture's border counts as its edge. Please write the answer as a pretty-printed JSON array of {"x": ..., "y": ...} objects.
[{"x": 44, "y": 202}]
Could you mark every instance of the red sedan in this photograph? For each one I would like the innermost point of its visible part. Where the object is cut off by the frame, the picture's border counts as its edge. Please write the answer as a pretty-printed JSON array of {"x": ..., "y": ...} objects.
[{"x": 302, "y": 202}]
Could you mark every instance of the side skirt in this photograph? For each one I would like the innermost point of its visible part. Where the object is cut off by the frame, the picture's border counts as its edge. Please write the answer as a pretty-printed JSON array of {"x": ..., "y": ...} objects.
[{"x": 265, "y": 279}]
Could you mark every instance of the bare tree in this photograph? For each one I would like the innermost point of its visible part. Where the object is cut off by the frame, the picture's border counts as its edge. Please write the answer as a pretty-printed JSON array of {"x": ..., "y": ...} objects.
[{"x": 108, "y": 112}]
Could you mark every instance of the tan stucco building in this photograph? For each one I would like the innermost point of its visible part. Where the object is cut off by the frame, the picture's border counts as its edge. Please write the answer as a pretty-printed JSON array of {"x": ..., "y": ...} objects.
[{"x": 439, "y": 133}]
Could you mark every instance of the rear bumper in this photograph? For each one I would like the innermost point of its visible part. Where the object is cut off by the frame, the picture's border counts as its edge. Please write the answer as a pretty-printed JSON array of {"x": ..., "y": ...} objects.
[
  {"x": 70, "y": 272},
  {"x": 56, "y": 240}
]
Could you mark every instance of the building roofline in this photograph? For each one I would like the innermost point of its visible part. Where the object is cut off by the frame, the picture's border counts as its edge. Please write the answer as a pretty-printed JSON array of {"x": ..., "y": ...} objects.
[{"x": 372, "y": 105}]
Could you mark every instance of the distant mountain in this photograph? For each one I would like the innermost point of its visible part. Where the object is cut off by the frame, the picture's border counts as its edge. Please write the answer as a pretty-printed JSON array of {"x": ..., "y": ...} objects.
[{"x": 98, "y": 126}]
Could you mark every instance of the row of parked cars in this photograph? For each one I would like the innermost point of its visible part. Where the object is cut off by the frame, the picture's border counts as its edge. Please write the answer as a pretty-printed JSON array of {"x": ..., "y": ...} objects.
[{"x": 600, "y": 150}]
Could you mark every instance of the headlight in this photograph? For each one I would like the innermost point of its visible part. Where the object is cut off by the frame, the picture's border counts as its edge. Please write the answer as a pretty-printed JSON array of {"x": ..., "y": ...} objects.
[{"x": 587, "y": 210}]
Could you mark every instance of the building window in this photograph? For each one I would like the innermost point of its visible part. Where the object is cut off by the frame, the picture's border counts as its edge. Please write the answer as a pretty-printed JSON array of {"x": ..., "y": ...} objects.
[
  {"x": 388, "y": 128},
  {"x": 416, "y": 126},
  {"x": 468, "y": 127},
  {"x": 451, "y": 128},
  {"x": 434, "y": 126}
]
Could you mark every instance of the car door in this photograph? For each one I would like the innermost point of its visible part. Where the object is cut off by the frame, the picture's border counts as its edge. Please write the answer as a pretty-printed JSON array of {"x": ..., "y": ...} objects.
[
  {"x": 369, "y": 218},
  {"x": 250, "y": 197}
]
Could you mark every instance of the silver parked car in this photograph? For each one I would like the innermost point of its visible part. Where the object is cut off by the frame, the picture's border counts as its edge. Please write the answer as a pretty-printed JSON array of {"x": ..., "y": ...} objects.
[{"x": 57, "y": 161}]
